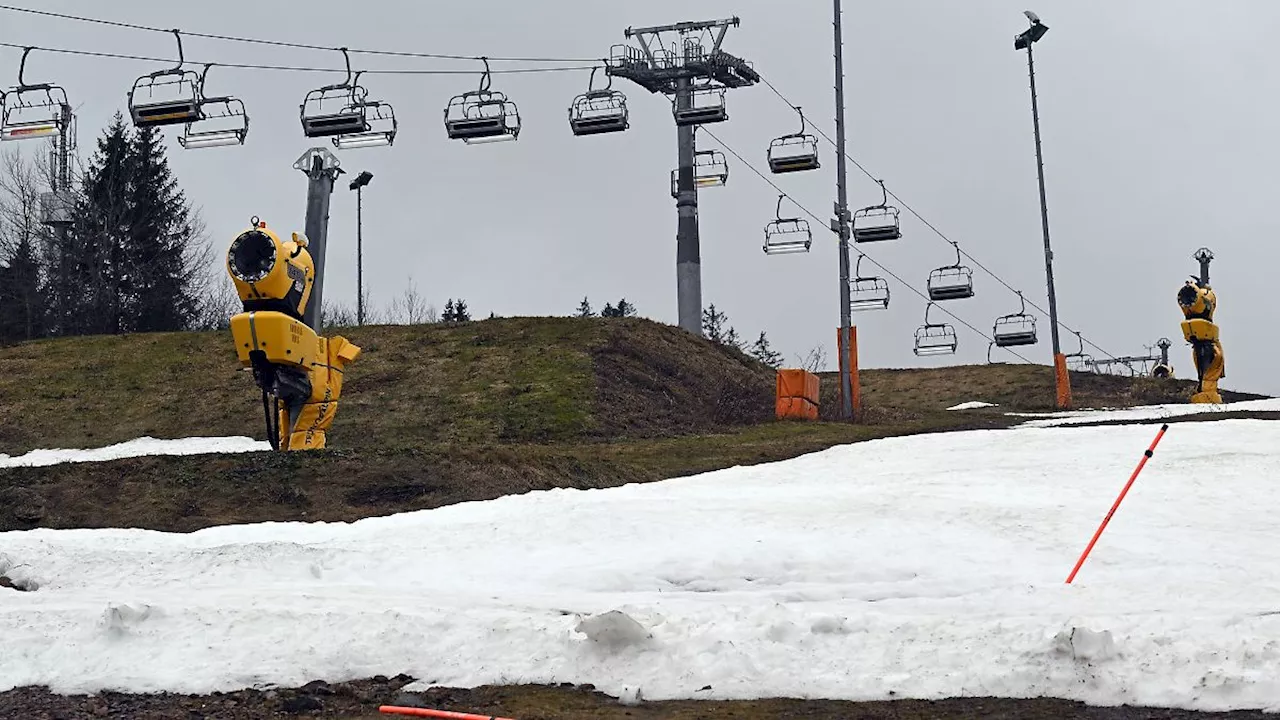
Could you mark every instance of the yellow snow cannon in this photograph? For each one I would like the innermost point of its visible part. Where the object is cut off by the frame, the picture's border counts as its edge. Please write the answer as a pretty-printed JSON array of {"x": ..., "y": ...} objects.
[{"x": 299, "y": 372}]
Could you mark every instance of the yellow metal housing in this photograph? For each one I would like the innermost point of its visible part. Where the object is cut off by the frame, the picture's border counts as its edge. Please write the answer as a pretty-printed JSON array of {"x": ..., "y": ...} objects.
[
  {"x": 1199, "y": 329},
  {"x": 284, "y": 340},
  {"x": 286, "y": 271}
]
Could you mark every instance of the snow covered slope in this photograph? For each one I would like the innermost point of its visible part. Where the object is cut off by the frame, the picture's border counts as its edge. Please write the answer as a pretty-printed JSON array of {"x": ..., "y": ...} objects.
[{"x": 926, "y": 566}]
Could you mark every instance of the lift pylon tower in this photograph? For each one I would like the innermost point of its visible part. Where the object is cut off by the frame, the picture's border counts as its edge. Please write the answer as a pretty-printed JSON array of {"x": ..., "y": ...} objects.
[{"x": 696, "y": 78}]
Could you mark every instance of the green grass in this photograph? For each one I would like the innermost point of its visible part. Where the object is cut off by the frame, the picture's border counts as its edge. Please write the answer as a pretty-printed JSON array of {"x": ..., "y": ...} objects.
[
  {"x": 439, "y": 414},
  {"x": 511, "y": 380}
]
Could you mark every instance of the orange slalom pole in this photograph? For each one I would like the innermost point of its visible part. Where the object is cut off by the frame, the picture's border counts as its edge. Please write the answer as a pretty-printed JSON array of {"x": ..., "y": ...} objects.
[
  {"x": 428, "y": 712},
  {"x": 1145, "y": 457}
]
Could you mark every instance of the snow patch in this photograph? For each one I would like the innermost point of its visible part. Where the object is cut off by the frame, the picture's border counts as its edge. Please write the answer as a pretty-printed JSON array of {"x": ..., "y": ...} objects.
[
  {"x": 1144, "y": 412},
  {"x": 140, "y": 447},
  {"x": 972, "y": 405}
]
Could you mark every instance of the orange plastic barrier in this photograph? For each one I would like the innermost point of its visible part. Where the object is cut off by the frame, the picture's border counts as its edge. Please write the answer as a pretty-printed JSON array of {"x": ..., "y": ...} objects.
[
  {"x": 797, "y": 396},
  {"x": 852, "y": 359},
  {"x": 796, "y": 409},
  {"x": 1063, "y": 381}
]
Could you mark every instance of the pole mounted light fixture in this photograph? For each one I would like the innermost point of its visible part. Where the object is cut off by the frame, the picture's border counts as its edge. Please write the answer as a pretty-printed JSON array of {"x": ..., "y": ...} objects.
[
  {"x": 358, "y": 185},
  {"x": 361, "y": 180},
  {"x": 1023, "y": 40}
]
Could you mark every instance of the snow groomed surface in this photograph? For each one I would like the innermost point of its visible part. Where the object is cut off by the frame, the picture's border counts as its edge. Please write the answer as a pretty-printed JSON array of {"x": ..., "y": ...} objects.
[{"x": 928, "y": 567}]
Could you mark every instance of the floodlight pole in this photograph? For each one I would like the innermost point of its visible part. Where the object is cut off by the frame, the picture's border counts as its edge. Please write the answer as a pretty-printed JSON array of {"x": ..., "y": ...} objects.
[
  {"x": 358, "y": 185},
  {"x": 321, "y": 169},
  {"x": 675, "y": 75},
  {"x": 841, "y": 226},
  {"x": 1025, "y": 40},
  {"x": 360, "y": 255}
]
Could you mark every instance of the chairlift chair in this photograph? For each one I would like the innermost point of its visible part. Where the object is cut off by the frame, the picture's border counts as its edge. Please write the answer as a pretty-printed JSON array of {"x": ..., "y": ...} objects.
[
  {"x": 599, "y": 111},
  {"x": 795, "y": 152},
  {"x": 482, "y": 115},
  {"x": 706, "y": 105},
  {"x": 876, "y": 223},
  {"x": 33, "y": 111},
  {"x": 1081, "y": 361},
  {"x": 951, "y": 282},
  {"x": 223, "y": 121},
  {"x": 787, "y": 235},
  {"x": 167, "y": 97},
  {"x": 935, "y": 338},
  {"x": 710, "y": 169},
  {"x": 335, "y": 110},
  {"x": 1015, "y": 329},
  {"x": 380, "y": 121},
  {"x": 867, "y": 293}
]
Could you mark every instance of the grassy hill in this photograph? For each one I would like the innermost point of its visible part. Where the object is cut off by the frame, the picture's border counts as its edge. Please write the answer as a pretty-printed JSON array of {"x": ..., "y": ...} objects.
[
  {"x": 521, "y": 379},
  {"x": 437, "y": 414}
]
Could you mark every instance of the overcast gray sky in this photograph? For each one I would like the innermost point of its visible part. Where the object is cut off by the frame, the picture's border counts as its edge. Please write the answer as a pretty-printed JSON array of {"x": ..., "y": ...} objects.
[{"x": 1156, "y": 142}]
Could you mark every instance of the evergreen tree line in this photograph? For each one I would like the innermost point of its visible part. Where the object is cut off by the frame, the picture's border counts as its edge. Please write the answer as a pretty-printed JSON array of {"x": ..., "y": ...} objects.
[
  {"x": 715, "y": 327},
  {"x": 134, "y": 257}
]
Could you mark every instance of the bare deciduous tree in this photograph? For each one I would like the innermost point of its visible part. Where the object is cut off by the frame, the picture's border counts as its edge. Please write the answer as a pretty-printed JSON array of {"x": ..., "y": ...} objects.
[
  {"x": 816, "y": 360},
  {"x": 411, "y": 308},
  {"x": 20, "y": 188}
]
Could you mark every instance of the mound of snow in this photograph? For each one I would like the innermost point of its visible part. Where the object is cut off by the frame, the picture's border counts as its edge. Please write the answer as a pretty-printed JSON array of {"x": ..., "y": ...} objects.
[
  {"x": 928, "y": 566},
  {"x": 971, "y": 405}
]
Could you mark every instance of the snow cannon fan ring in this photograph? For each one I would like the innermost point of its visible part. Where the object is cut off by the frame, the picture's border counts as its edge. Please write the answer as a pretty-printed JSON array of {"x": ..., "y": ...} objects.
[{"x": 252, "y": 256}]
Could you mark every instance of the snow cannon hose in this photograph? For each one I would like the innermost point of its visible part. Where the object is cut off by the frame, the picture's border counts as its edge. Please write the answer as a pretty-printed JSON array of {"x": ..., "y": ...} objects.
[
  {"x": 428, "y": 712},
  {"x": 1145, "y": 457}
]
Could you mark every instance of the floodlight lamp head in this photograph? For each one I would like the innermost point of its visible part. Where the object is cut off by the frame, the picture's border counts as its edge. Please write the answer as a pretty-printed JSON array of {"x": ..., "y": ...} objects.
[
  {"x": 361, "y": 180},
  {"x": 1024, "y": 39}
]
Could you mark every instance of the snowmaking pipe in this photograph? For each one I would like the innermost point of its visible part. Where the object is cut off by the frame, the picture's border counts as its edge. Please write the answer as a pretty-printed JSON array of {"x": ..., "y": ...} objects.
[
  {"x": 429, "y": 713},
  {"x": 1145, "y": 457}
]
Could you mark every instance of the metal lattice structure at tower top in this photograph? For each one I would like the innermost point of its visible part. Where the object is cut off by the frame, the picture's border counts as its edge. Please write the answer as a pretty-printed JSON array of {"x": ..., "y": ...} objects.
[
  {"x": 658, "y": 68},
  {"x": 696, "y": 77}
]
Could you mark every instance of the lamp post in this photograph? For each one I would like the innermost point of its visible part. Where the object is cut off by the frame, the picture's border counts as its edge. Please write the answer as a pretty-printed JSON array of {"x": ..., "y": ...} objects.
[
  {"x": 358, "y": 185},
  {"x": 1024, "y": 41}
]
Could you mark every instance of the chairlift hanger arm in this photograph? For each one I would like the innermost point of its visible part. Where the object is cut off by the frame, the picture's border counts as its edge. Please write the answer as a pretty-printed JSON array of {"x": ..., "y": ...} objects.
[
  {"x": 181, "y": 57},
  {"x": 22, "y": 69}
]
